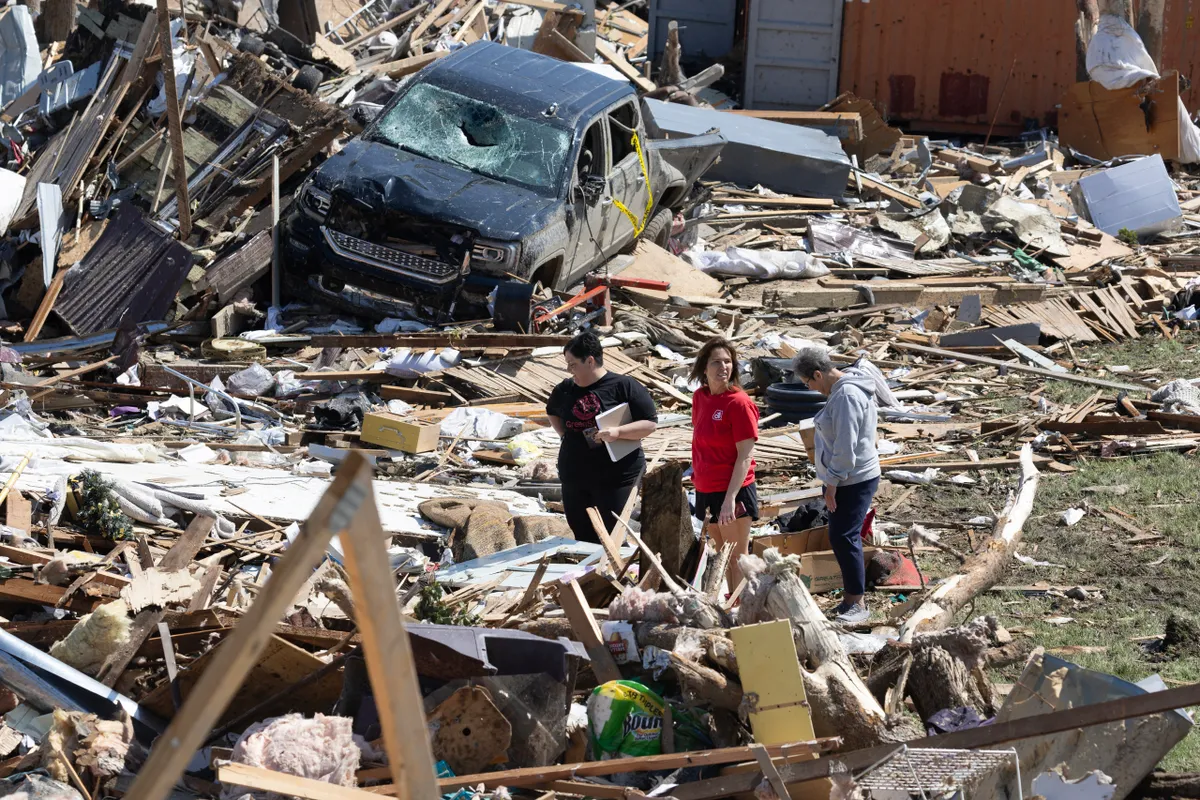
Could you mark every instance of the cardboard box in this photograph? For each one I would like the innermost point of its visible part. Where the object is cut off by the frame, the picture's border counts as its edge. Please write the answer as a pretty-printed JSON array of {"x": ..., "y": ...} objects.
[
  {"x": 396, "y": 433},
  {"x": 818, "y": 565}
]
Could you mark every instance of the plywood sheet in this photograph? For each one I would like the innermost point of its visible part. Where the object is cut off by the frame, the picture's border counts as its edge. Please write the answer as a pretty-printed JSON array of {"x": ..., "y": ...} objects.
[
  {"x": 1139, "y": 120},
  {"x": 767, "y": 663}
]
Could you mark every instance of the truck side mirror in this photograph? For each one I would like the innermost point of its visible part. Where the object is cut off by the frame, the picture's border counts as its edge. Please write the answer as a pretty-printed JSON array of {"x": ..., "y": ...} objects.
[{"x": 593, "y": 188}]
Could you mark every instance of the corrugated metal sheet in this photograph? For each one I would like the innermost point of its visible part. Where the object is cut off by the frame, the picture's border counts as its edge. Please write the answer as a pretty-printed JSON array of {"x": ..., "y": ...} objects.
[
  {"x": 134, "y": 266},
  {"x": 706, "y": 27},
  {"x": 942, "y": 65},
  {"x": 1181, "y": 45}
]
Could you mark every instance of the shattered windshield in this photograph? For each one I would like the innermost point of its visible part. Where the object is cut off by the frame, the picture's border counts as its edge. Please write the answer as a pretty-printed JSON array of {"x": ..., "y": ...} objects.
[{"x": 477, "y": 136}]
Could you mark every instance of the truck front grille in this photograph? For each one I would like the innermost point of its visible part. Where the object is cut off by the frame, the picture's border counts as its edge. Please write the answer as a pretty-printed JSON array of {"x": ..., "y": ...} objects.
[{"x": 389, "y": 258}]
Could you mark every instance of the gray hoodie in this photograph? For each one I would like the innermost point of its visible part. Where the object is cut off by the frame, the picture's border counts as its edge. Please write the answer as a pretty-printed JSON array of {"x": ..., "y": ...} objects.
[{"x": 845, "y": 431}]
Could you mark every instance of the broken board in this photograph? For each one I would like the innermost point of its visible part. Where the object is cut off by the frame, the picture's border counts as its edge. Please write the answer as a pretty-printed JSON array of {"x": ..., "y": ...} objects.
[
  {"x": 653, "y": 262},
  {"x": 470, "y": 733},
  {"x": 281, "y": 665},
  {"x": 1106, "y": 123}
]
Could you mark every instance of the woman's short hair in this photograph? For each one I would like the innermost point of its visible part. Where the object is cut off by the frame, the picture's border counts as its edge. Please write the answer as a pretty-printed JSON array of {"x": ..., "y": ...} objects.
[
  {"x": 584, "y": 345},
  {"x": 811, "y": 360},
  {"x": 700, "y": 366}
]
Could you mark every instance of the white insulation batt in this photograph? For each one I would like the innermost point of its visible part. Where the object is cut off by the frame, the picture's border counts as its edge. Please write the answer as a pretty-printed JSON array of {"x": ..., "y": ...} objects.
[
  {"x": 271, "y": 493},
  {"x": 322, "y": 748}
]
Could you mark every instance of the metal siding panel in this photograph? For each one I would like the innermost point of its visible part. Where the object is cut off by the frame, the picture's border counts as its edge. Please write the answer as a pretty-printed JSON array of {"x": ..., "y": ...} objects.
[
  {"x": 706, "y": 27},
  {"x": 792, "y": 53},
  {"x": 905, "y": 51},
  {"x": 1181, "y": 45}
]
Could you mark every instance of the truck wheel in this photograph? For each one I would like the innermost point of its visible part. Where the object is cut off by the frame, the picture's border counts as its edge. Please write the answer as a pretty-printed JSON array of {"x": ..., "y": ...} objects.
[
  {"x": 308, "y": 79},
  {"x": 658, "y": 229},
  {"x": 252, "y": 45}
]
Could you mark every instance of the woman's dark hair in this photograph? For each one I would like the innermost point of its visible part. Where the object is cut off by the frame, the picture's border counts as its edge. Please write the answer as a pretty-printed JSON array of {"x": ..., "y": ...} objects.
[
  {"x": 584, "y": 345},
  {"x": 700, "y": 367}
]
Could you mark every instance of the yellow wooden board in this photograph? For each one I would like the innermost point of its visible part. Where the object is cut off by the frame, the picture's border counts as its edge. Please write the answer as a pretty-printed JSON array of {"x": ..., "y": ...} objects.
[{"x": 767, "y": 662}]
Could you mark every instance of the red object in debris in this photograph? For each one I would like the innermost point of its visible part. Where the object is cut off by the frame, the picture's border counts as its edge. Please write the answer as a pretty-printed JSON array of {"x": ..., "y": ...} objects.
[{"x": 867, "y": 532}]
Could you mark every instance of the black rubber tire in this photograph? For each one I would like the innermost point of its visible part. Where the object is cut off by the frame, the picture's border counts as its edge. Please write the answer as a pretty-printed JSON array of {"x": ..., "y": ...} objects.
[
  {"x": 308, "y": 79},
  {"x": 789, "y": 418},
  {"x": 799, "y": 408},
  {"x": 658, "y": 229},
  {"x": 252, "y": 45},
  {"x": 793, "y": 393}
]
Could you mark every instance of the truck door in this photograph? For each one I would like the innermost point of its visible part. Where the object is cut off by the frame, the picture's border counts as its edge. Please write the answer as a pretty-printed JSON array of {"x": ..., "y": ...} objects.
[
  {"x": 628, "y": 180},
  {"x": 592, "y": 203}
]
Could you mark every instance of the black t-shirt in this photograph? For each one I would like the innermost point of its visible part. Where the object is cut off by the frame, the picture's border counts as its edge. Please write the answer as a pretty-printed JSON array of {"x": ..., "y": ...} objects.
[{"x": 580, "y": 456}]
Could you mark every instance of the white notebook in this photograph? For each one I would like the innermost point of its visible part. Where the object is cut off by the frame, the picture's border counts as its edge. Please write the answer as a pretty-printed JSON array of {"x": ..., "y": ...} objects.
[{"x": 617, "y": 415}]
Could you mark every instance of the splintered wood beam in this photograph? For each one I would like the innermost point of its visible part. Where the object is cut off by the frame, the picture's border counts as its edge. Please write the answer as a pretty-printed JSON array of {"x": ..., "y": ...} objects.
[
  {"x": 174, "y": 125},
  {"x": 347, "y": 509},
  {"x": 571, "y": 598},
  {"x": 241, "y": 649}
]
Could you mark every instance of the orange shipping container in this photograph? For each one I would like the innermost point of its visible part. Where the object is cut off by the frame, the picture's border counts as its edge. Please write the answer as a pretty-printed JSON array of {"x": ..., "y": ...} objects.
[{"x": 951, "y": 65}]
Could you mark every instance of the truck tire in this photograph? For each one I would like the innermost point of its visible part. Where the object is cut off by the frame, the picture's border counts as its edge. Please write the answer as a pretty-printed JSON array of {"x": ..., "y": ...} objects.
[
  {"x": 792, "y": 394},
  {"x": 252, "y": 45},
  {"x": 658, "y": 229},
  {"x": 308, "y": 79}
]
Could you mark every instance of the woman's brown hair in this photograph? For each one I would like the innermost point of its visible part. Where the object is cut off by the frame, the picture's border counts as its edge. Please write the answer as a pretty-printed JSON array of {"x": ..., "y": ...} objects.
[{"x": 700, "y": 367}]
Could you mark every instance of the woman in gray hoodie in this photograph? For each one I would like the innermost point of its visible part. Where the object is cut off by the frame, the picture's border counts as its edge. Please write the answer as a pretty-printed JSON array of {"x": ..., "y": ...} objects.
[{"x": 847, "y": 464}]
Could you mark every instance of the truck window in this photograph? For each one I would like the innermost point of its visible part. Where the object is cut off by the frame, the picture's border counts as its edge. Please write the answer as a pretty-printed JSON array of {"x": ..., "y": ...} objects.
[
  {"x": 621, "y": 121},
  {"x": 591, "y": 154}
]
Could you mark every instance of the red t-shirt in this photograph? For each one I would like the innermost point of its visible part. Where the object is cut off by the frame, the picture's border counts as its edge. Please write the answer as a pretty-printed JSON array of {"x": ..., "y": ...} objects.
[{"x": 719, "y": 422}]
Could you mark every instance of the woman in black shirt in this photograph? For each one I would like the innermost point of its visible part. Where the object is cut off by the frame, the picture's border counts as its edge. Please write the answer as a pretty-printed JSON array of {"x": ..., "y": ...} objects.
[{"x": 590, "y": 478}]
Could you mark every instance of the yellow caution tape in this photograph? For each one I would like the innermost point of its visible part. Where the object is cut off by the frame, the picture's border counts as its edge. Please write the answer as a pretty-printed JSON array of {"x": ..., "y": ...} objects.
[{"x": 639, "y": 227}]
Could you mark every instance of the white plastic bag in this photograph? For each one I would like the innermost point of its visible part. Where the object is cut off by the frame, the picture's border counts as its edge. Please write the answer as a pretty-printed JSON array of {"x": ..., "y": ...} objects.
[
  {"x": 1117, "y": 59},
  {"x": 758, "y": 264}
]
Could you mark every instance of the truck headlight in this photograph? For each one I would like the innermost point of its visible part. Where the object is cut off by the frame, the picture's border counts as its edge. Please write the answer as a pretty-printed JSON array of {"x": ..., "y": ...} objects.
[
  {"x": 494, "y": 256},
  {"x": 316, "y": 202}
]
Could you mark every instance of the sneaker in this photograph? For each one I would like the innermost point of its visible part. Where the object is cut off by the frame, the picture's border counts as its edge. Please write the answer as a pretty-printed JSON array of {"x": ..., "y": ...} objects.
[{"x": 847, "y": 614}]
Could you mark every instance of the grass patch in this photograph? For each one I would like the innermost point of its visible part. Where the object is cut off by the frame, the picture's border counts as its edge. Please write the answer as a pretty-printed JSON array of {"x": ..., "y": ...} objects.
[{"x": 1141, "y": 584}]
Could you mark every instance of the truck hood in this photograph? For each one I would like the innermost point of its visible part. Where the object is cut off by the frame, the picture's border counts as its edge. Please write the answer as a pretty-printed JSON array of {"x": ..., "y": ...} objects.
[{"x": 383, "y": 177}]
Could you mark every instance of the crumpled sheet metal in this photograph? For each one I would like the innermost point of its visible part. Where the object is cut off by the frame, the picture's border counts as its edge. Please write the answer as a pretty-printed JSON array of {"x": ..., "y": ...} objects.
[
  {"x": 453, "y": 651},
  {"x": 133, "y": 266}
]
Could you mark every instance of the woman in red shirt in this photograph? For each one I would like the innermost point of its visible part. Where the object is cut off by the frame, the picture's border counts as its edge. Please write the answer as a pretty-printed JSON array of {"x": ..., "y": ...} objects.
[{"x": 724, "y": 429}]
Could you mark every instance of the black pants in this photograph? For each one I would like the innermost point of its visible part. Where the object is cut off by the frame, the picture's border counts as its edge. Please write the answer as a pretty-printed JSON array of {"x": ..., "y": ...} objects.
[
  {"x": 845, "y": 532},
  {"x": 579, "y": 496}
]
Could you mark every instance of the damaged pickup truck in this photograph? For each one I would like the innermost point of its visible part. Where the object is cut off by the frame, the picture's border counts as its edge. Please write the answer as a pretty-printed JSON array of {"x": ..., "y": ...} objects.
[{"x": 491, "y": 164}]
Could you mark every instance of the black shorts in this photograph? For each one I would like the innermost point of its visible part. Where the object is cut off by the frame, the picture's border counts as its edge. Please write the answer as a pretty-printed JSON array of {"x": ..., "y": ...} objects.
[{"x": 745, "y": 504}]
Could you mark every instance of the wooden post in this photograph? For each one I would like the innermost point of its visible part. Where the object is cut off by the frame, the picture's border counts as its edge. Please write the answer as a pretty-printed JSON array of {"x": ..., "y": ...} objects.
[
  {"x": 174, "y": 125},
  {"x": 276, "y": 278},
  {"x": 347, "y": 508}
]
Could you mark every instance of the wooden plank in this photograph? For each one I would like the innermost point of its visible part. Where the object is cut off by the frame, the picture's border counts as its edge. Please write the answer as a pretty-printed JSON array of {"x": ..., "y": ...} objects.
[
  {"x": 390, "y": 664},
  {"x": 425, "y": 23},
  {"x": 537, "y": 776},
  {"x": 768, "y": 666},
  {"x": 399, "y": 19},
  {"x": 571, "y": 598},
  {"x": 21, "y": 555},
  {"x": 19, "y": 512},
  {"x": 46, "y": 306},
  {"x": 427, "y": 397},
  {"x": 23, "y": 590},
  {"x": 609, "y": 54},
  {"x": 407, "y": 66},
  {"x": 888, "y": 191},
  {"x": 1017, "y": 367},
  {"x": 610, "y": 548},
  {"x": 174, "y": 126},
  {"x": 285, "y": 785},
  {"x": 172, "y": 751}
]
